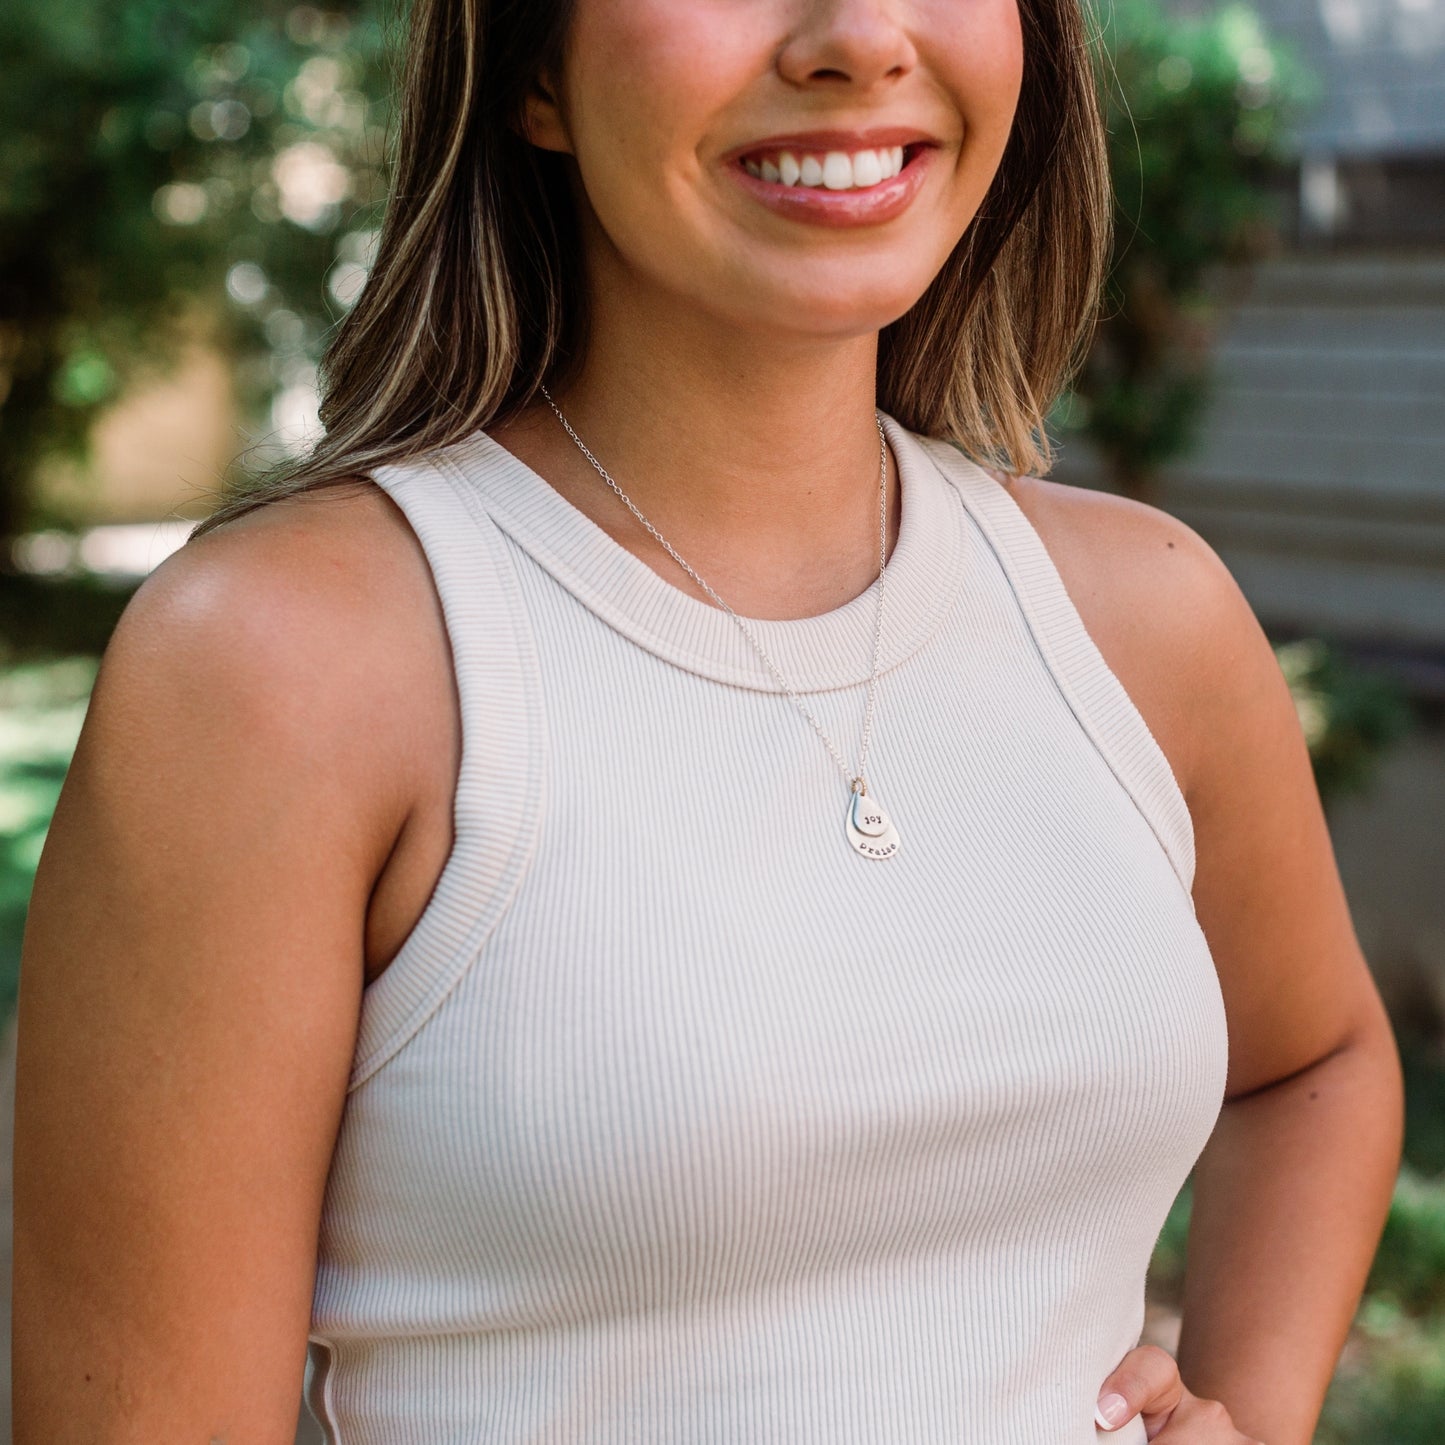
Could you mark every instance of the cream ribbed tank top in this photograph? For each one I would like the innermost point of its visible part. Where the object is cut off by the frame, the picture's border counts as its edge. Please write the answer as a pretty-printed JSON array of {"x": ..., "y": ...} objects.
[{"x": 675, "y": 1119}]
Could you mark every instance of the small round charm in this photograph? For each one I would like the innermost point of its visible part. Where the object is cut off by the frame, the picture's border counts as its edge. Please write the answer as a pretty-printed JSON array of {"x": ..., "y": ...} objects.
[{"x": 868, "y": 828}]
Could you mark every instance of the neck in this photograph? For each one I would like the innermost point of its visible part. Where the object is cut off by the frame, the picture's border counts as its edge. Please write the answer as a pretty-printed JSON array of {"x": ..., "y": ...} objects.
[{"x": 756, "y": 458}]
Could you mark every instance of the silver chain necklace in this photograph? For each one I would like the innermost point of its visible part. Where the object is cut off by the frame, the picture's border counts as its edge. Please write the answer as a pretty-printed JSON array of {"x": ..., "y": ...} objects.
[{"x": 865, "y": 824}]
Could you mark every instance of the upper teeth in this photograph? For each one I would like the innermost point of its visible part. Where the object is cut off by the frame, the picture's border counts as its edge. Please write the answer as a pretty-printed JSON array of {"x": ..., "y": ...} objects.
[{"x": 834, "y": 170}]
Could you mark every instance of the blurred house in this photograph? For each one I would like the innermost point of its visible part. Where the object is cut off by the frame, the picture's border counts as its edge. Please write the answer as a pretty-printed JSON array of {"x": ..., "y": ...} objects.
[{"x": 1321, "y": 474}]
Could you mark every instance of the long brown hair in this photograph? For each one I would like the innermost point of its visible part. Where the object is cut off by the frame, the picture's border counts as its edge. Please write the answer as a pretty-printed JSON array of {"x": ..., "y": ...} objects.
[{"x": 476, "y": 294}]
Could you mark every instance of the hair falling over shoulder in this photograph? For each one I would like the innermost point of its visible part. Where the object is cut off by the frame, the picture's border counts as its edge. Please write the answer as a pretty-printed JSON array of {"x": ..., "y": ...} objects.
[{"x": 476, "y": 295}]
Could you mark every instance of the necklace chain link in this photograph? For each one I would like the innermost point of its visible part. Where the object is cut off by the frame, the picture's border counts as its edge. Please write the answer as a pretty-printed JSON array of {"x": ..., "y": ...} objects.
[{"x": 858, "y": 783}]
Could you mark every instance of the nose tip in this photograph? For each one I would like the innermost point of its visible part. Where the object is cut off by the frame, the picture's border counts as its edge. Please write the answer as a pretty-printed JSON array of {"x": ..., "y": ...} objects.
[{"x": 859, "y": 44}]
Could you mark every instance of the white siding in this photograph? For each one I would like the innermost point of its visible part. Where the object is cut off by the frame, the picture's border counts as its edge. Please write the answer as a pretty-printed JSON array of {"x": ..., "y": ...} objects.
[
  {"x": 1320, "y": 476},
  {"x": 1380, "y": 67}
]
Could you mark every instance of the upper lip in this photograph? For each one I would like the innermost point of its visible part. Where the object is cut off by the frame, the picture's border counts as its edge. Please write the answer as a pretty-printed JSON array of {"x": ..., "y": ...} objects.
[{"x": 835, "y": 140}]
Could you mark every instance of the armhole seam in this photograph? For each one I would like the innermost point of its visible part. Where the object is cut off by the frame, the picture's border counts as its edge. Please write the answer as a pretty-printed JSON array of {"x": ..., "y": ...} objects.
[
  {"x": 320, "y": 1388},
  {"x": 1099, "y": 700},
  {"x": 496, "y": 807}
]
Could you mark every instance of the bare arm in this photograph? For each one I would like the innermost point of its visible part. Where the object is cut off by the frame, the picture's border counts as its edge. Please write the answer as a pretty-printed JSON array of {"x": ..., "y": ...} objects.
[
  {"x": 1292, "y": 1191},
  {"x": 191, "y": 977}
]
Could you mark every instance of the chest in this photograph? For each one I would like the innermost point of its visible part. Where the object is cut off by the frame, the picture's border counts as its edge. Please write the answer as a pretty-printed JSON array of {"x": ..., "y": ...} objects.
[{"x": 706, "y": 1030}]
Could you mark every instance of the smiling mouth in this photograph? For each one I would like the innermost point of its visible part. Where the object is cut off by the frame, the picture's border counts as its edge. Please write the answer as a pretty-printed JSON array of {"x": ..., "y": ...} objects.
[{"x": 831, "y": 170}]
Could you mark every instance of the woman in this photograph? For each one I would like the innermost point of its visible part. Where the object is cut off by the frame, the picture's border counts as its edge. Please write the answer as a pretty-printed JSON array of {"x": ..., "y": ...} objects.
[{"x": 456, "y": 946}]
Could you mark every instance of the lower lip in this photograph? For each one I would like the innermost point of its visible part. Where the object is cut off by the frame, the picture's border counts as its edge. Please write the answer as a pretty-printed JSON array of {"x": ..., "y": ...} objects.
[{"x": 818, "y": 206}]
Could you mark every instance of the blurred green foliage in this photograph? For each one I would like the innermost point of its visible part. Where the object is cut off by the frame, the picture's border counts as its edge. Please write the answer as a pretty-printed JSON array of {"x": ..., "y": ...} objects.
[
  {"x": 1395, "y": 1396},
  {"x": 42, "y": 706},
  {"x": 1410, "y": 1266},
  {"x": 167, "y": 170},
  {"x": 1393, "y": 1391},
  {"x": 1197, "y": 111},
  {"x": 1424, "y": 1069},
  {"x": 1349, "y": 715}
]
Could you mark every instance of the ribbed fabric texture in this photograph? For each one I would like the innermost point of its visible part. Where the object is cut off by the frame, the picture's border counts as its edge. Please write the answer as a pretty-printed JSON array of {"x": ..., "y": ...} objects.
[{"x": 675, "y": 1120}]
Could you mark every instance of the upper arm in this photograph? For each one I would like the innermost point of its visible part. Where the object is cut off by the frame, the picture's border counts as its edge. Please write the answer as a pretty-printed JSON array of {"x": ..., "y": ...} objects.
[
  {"x": 190, "y": 986},
  {"x": 1267, "y": 888},
  {"x": 1175, "y": 628}
]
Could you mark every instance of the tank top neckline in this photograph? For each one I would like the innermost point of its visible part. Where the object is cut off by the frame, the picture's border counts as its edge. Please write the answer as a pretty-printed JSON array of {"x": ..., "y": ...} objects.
[{"x": 830, "y": 650}]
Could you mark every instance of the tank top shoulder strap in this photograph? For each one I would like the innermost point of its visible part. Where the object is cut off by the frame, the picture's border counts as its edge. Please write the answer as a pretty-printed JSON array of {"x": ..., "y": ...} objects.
[
  {"x": 496, "y": 809},
  {"x": 1093, "y": 691}
]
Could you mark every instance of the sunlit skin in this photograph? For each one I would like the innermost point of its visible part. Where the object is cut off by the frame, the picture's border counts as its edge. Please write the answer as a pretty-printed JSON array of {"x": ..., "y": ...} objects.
[{"x": 261, "y": 800}]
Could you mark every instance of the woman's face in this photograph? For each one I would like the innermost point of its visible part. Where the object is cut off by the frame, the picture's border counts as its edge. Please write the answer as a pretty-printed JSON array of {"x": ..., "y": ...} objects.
[{"x": 740, "y": 155}]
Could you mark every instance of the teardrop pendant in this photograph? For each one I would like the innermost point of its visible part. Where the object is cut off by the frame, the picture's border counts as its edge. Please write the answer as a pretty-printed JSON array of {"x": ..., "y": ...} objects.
[{"x": 868, "y": 827}]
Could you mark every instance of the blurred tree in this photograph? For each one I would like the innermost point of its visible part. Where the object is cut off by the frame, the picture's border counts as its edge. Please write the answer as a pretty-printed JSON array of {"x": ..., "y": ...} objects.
[
  {"x": 1197, "y": 112},
  {"x": 165, "y": 168}
]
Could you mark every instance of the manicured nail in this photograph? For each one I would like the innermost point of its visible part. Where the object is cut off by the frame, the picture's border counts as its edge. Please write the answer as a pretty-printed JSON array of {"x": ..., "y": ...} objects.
[{"x": 1110, "y": 1411}]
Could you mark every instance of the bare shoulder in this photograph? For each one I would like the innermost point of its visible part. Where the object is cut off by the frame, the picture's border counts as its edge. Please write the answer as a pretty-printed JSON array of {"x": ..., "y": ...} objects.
[
  {"x": 312, "y": 617},
  {"x": 291, "y": 572},
  {"x": 1161, "y": 606}
]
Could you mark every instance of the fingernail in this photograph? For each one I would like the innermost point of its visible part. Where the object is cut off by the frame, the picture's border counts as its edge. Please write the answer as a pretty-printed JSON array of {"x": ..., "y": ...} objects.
[{"x": 1110, "y": 1411}]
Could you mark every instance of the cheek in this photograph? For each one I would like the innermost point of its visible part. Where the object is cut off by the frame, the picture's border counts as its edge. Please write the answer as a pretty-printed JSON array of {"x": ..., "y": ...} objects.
[
  {"x": 981, "y": 66},
  {"x": 640, "y": 102},
  {"x": 984, "y": 62}
]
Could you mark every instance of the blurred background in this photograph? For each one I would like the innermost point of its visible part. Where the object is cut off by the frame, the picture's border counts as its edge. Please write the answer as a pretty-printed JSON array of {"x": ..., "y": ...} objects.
[{"x": 189, "y": 198}]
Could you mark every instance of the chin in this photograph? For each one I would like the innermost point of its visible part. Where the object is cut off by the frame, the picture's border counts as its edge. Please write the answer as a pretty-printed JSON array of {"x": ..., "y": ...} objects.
[{"x": 838, "y": 310}]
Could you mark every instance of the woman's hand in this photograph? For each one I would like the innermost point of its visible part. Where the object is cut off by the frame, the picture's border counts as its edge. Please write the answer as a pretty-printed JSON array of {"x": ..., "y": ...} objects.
[{"x": 1146, "y": 1382}]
